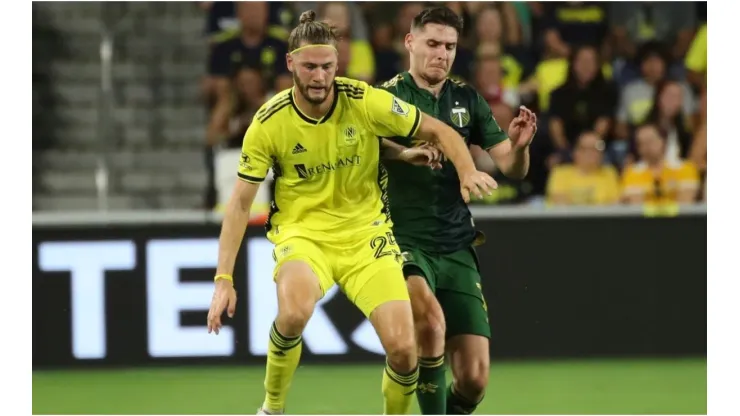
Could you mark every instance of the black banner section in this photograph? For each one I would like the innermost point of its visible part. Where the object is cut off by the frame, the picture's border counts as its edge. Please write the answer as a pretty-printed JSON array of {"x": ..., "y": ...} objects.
[{"x": 575, "y": 287}]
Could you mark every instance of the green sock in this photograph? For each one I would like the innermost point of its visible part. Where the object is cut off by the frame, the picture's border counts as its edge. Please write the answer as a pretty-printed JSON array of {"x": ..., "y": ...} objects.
[
  {"x": 458, "y": 405},
  {"x": 430, "y": 390}
]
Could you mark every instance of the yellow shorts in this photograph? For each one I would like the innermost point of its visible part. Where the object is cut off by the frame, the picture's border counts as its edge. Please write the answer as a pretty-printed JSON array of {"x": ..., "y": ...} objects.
[{"x": 367, "y": 268}]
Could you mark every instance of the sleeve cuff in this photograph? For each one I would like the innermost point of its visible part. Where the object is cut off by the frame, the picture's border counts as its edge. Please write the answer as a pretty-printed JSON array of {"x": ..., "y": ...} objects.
[
  {"x": 417, "y": 123},
  {"x": 250, "y": 179}
]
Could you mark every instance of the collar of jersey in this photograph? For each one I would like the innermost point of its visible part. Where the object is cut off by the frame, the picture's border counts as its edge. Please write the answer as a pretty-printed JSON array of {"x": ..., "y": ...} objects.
[
  {"x": 308, "y": 119},
  {"x": 410, "y": 80}
]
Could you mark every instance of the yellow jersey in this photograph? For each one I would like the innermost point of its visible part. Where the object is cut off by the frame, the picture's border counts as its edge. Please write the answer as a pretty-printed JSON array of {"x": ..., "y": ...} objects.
[
  {"x": 329, "y": 183},
  {"x": 598, "y": 188},
  {"x": 639, "y": 179}
]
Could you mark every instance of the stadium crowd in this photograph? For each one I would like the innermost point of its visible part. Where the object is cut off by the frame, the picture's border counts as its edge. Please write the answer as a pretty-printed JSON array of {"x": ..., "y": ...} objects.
[{"x": 619, "y": 88}]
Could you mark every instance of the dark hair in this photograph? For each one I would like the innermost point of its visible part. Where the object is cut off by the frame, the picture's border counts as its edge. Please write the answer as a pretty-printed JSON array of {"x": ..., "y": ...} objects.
[
  {"x": 598, "y": 78},
  {"x": 650, "y": 49},
  {"x": 678, "y": 121},
  {"x": 311, "y": 32},
  {"x": 440, "y": 15}
]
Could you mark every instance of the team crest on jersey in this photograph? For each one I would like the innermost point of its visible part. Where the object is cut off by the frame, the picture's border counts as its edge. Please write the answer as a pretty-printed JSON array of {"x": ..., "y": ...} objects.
[
  {"x": 399, "y": 107},
  {"x": 460, "y": 116},
  {"x": 351, "y": 135}
]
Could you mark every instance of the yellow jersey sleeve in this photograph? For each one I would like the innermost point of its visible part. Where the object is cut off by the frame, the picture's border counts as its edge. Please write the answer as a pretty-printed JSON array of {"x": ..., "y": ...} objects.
[
  {"x": 389, "y": 116},
  {"x": 696, "y": 57},
  {"x": 256, "y": 158}
]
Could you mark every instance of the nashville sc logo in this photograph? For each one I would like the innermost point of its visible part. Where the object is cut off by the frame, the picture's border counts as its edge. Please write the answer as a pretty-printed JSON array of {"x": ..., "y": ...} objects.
[{"x": 307, "y": 172}]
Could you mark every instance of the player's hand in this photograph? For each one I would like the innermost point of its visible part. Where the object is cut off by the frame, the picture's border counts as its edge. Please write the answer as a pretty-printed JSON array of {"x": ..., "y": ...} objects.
[
  {"x": 478, "y": 184},
  {"x": 424, "y": 155},
  {"x": 224, "y": 298},
  {"x": 523, "y": 128}
]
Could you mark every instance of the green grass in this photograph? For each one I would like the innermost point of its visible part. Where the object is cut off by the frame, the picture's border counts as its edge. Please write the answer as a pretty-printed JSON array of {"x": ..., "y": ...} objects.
[{"x": 560, "y": 387}]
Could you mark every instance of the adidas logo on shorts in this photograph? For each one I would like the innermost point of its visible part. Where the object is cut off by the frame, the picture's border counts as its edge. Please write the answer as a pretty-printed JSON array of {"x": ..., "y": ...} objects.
[{"x": 299, "y": 149}]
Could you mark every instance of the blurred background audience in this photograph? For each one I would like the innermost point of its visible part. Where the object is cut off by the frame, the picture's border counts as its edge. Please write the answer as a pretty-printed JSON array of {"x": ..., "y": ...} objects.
[{"x": 594, "y": 72}]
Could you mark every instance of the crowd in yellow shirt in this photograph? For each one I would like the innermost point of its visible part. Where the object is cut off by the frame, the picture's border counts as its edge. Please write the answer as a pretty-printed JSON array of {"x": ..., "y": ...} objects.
[{"x": 653, "y": 180}]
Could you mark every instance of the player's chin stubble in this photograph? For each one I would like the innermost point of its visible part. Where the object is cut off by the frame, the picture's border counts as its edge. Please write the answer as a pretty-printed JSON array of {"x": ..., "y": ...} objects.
[{"x": 305, "y": 92}]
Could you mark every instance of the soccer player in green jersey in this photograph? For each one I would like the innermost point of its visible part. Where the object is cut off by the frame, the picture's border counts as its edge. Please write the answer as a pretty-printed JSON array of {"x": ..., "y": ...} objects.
[{"x": 432, "y": 223}]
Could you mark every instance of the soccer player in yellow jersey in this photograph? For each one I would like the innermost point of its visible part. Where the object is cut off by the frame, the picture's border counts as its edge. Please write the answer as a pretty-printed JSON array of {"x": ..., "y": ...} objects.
[{"x": 329, "y": 219}]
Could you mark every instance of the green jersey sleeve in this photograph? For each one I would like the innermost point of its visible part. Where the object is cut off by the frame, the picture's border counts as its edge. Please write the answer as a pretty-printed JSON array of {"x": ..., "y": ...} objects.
[{"x": 486, "y": 132}]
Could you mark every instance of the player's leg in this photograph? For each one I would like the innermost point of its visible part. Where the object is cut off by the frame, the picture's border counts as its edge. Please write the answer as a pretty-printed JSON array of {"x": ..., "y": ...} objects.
[
  {"x": 470, "y": 361},
  {"x": 468, "y": 330},
  {"x": 299, "y": 287},
  {"x": 375, "y": 284},
  {"x": 429, "y": 324}
]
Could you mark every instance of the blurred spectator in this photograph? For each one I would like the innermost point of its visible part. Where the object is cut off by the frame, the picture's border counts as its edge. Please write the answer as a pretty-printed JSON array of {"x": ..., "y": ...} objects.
[
  {"x": 550, "y": 74},
  {"x": 391, "y": 57},
  {"x": 568, "y": 25},
  {"x": 490, "y": 42},
  {"x": 586, "y": 102},
  {"x": 489, "y": 80},
  {"x": 253, "y": 46},
  {"x": 637, "y": 97},
  {"x": 696, "y": 59},
  {"x": 221, "y": 21},
  {"x": 654, "y": 179},
  {"x": 587, "y": 181},
  {"x": 698, "y": 153},
  {"x": 356, "y": 58},
  {"x": 250, "y": 95},
  {"x": 669, "y": 115},
  {"x": 510, "y": 32},
  {"x": 634, "y": 23}
]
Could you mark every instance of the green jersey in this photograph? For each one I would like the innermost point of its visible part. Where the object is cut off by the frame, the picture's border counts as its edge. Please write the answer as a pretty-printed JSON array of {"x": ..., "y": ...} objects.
[{"x": 427, "y": 209}]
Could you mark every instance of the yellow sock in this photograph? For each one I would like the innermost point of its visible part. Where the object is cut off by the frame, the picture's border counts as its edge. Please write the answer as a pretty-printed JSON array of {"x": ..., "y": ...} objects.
[
  {"x": 398, "y": 391},
  {"x": 283, "y": 355}
]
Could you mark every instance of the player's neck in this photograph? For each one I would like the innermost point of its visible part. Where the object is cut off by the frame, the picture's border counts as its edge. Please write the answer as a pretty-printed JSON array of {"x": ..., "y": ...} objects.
[
  {"x": 315, "y": 111},
  {"x": 420, "y": 82}
]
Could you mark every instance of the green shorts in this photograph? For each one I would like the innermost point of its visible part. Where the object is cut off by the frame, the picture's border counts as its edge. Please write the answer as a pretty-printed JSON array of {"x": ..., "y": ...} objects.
[{"x": 455, "y": 280}]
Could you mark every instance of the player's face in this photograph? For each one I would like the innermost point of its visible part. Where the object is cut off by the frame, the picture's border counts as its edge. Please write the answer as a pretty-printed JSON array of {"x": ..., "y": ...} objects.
[
  {"x": 313, "y": 72},
  {"x": 649, "y": 144},
  {"x": 432, "y": 49}
]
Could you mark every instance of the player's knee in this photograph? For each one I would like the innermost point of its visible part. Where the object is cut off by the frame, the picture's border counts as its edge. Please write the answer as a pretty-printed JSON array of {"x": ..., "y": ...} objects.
[
  {"x": 473, "y": 379},
  {"x": 430, "y": 330},
  {"x": 401, "y": 353},
  {"x": 292, "y": 318},
  {"x": 429, "y": 320}
]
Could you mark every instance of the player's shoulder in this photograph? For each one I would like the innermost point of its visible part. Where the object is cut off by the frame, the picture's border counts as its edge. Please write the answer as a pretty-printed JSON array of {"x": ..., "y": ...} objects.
[
  {"x": 273, "y": 107},
  {"x": 351, "y": 88},
  {"x": 392, "y": 85},
  {"x": 461, "y": 89}
]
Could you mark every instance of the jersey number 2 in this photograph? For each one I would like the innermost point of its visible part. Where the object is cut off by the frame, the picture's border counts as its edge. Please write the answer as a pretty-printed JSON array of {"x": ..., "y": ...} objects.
[{"x": 378, "y": 244}]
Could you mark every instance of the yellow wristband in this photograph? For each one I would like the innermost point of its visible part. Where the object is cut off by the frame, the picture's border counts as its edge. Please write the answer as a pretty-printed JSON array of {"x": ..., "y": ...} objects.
[{"x": 225, "y": 277}]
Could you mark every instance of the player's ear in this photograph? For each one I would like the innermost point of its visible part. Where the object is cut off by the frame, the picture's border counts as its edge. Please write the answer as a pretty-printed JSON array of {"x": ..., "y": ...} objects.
[
  {"x": 407, "y": 41},
  {"x": 289, "y": 61}
]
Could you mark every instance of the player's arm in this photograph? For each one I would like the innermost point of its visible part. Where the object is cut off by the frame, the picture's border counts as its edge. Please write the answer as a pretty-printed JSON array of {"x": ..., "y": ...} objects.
[
  {"x": 511, "y": 155},
  {"x": 424, "y": 155},
  {"x": 253, "y": 165},
  {"x": 389, "y": 116}
]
